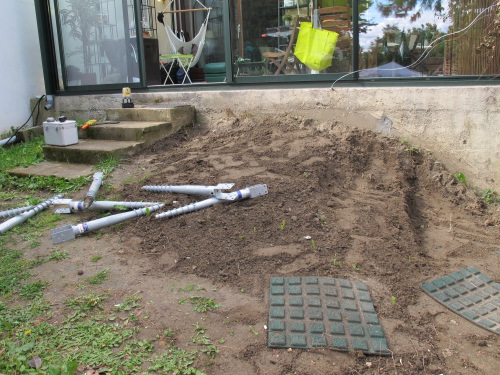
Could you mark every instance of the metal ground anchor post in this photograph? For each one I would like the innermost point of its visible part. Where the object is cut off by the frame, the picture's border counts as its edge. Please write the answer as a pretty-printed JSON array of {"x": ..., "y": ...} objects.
[
  {"x": 76, "y": 206},
  {"x": 21, "y": 218},
  {"x": 94, "y": 188},
  {"x": 69, "y": 232},
  {"x": 189, "y": 189},
  {"x": 14, "y": 212},
  {"x": 249, "y": 192}
]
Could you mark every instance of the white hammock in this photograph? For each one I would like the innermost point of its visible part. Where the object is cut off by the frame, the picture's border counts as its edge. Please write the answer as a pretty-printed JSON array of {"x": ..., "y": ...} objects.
[{"x": 193, "y": 47}]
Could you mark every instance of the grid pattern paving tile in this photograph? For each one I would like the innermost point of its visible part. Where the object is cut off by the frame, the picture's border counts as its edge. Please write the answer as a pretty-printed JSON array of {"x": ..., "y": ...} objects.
[
  {"x": 470, "y": 294},
  {"x": 308, "y": 312}
]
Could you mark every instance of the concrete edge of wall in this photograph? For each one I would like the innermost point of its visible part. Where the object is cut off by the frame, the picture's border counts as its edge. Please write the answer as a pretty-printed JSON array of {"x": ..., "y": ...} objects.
[{"x": 459, "y": 125}]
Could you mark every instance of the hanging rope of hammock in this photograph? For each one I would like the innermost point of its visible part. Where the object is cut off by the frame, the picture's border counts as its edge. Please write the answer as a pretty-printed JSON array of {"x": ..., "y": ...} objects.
[{"x": 176, "y": 38}]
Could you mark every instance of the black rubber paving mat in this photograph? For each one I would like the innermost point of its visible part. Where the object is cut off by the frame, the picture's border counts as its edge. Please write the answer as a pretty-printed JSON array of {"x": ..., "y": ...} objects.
[
  {"x": 470, "y": 294},
  {"x": 308, "y": 312}
]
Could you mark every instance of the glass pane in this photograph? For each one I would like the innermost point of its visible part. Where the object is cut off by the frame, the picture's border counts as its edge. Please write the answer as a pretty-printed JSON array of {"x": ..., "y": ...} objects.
[
  {"x": 55, "y": 36},
  {"x": 186, "y": 46},
  {"x": 413, "y": 38},
  {"x": 98, "y": 48},
  {"x": 269, "y": 40}
]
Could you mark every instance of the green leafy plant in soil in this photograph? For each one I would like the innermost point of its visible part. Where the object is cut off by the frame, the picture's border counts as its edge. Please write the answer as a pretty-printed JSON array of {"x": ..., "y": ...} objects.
[
  {"x": 99, "y": 277},
  {"x": 460, "y": 177},
  {"x": 201, "y": 304},
  {"x": 490, "y": 196}
]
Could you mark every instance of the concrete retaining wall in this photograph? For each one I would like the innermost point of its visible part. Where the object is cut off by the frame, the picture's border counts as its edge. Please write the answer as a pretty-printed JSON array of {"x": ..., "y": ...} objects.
[{"x": 459, "y": 125}]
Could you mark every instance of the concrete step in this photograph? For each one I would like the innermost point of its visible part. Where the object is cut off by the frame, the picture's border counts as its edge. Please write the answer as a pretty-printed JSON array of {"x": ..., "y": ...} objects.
[
  {"x": 56, "y": 169},
  {"x": 183, "y": 114},
  {"x": 91, "y": 151},
  {"x": 137, "y": 131}
]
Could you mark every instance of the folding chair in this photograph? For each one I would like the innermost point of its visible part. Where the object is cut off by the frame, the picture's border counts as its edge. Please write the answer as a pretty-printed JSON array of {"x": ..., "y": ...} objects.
[
  {"x": 285, "y": 61},
  {"x": 184, "y": 62}
]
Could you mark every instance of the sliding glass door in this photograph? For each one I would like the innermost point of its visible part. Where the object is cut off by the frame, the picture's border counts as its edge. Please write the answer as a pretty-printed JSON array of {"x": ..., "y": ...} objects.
[{"x": 97, "y": 42}]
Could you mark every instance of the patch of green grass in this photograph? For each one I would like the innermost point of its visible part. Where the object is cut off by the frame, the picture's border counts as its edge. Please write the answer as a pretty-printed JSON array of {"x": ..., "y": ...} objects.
[
  {"x": 22, "y": 154},
  {"x": 54, "y": 255},
  {"x": 33, "y": 290},
  {"x": 190, "y": 288},
  {"x": 322, "y": 219},
  {"x": 99, "y": 277},
  {"x": 13, "y": 270},
  {"x": 204, "y": 340},
  {"x": 129, "y": 303},
  {"x": 95, "y": 258},
  {"x": 34, "y": 244},
  {"x": 85, "y": 303},
  {"x": 175, "y": 361},
  {"x": 31, "y": 236},
  {"x": 46, "y": 183},
  {"x": 30, "y": 336},
  {"x": 11, "y": 195},
  {"x": 136, "y": 180},
  {"x": 25, "y": 154},
  {"x": 201, "y": 304},
  {"x": 58, "y": 255},
  {"x": 107, "y": 166}
]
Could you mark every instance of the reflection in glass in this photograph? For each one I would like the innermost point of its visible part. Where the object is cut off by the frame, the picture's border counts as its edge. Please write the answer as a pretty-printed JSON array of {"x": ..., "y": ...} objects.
[
  {"x": 263, "y": 31},
  {"x": 429, "y": 38},
  {"x": 96, "y": 44}
]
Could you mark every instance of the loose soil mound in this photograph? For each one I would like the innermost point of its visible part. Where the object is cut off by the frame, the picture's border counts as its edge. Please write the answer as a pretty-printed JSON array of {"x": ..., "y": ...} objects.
[{"x": 342, "y": 203}]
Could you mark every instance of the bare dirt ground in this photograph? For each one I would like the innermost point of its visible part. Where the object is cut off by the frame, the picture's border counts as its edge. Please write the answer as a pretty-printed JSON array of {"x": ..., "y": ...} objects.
[{"x": 389, "y": 215}]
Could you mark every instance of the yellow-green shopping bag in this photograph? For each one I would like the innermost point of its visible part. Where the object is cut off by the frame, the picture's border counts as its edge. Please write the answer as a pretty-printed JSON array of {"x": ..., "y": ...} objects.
[{"x": 315, "y": 47}]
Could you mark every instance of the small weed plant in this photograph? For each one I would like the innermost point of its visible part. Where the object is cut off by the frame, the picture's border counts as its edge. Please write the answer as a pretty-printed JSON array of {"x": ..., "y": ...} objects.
[
  {"x": 314, "y": 246},
  {"x": 282, "y": 225},
  {"x": 191, "y": 287},
  {"x": 129, "y": 303},
  {"x": 490, "y": 196},
  {"x": 99, "y": 277},
  {"x": 201, "y": 304},
  {"x": 460, "y": 177}
]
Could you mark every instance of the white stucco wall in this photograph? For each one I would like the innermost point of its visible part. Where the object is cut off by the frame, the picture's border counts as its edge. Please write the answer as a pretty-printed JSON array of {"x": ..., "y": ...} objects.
[{"x": 20, "y": 63}]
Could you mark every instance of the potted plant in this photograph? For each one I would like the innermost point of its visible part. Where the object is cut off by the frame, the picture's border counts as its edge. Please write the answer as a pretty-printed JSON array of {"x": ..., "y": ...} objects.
[
  {"x": 287, "y": 19},
  {"x": 81, "y": 17}
]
